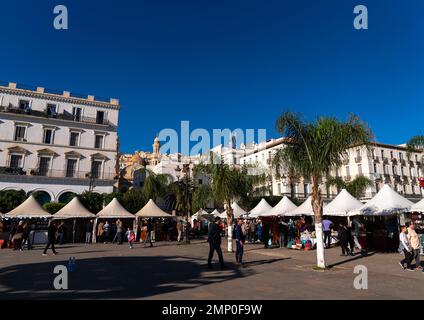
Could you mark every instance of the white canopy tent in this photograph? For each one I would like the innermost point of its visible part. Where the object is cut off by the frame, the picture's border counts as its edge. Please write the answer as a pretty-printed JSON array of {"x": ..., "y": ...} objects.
[
  {"x": 261, "y": 208},
  {"x": 305, "y": 209},
  {"x": 114, "y": 210},
  {"x": 418, "y": 207},
  {"x": 201, "y": 214},
  {"x": 237, "y": 210},
  {"x": 216, "y": 213},
  {"x": 151, "y": 210},
  {"x": 342, "y": 205},
  {"x": 73, "y": 210},
  {"x": 30, "y": 208},
  {"x": 386, "y": 202},
  {"x": 282, "y": 208}
]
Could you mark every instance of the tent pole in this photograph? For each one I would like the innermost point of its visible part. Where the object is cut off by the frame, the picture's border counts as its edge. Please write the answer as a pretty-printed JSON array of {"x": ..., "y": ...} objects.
[{"x": 73, "y": 230}]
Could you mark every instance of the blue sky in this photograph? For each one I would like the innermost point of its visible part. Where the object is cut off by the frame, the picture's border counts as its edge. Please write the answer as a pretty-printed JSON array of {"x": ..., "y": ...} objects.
[{"x": 225, "y": 63}]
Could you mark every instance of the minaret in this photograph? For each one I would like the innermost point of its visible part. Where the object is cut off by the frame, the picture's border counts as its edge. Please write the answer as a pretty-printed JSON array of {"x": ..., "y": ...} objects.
[{"x": 156, "y": 147}]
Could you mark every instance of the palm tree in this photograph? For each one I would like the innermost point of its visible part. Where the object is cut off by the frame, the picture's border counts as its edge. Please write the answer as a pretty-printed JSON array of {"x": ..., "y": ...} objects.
[
  {"x": 356, "y": 187},
  {"x": 155, "y": 185},
  {"x": 201, "y": 196},
  {"x": 313, "y": 149}
]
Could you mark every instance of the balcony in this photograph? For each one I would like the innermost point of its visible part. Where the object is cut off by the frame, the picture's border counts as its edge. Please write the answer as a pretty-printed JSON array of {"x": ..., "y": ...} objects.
[
  {"x": 397, "y": 178},
  {"x": 394, "y": 161},
  {"x": 59, "y": 116},
  {"x": 386, "y": 160},
  {"x": 376, "y": 159},
  {"x": 412, "y": 164},
  {"x": 345, "y": 161},
  {"x": 387, "y": 178},
  {"x": 405, "y": 180},
  {"x": 35, "y": 173},
  {"x": 403, "y": 163},
  {"x": 358, "y": 159}
]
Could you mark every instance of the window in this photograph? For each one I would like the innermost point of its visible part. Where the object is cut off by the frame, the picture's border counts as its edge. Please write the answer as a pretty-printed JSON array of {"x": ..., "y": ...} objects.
[
  {"x": 71, "y": 165},
  {"x": 98, "y": 143},
  {"x": 391, "y": 154},
  {"x": 44, "y": 166},
  {"x": 401, "y": 171},
  {"x": 394, "y": 170},
  {"x": 48, "y": 136},
  {"x": 200, "y": 181},
  {"x": 96, "y": 169},
  {"x": 74, "y": 139},
  {"x": 386, "y": 171},
  {"x": 400, "y": 155},
  {"x": 51, "y": 110},
  {"x": 347, "y": 171},
  {"x": 24, "y": 105},
  {"x": 20, "y": 133},
  {"x": 358, "y": 153},
  {"x": 278, "y": 188},
  {"x": 382, "y": 153},
  {"x": 375, "y": 168},
  {"x": 100, "y": 117},
  {"x": 360, "y": 169},
  {"x": 15, "y": 161},
  {"x": 305, "y": 189},
  {"x": 76, "y": 113}
]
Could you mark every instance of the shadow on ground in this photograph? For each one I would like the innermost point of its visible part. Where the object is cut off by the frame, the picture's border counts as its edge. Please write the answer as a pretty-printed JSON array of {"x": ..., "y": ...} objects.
[{"x": 115, "y": 277}]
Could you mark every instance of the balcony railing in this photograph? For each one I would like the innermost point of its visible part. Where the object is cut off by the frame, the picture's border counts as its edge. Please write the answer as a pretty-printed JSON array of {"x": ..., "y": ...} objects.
[
  {"x": 386, "y": 160},
  {"x": 411, "y": 164},
  {"x": 345, "y": 161},
  {"x": 61, "y": 116},
  {"x": 387, "y": 178},
  {"x": 57, "y": 173},
  {"x": 405, "y": 180},
  {"x": 403, "y": 162},
  {"x": 376, "y": 159},
  {"x": 394, "y": 161}
]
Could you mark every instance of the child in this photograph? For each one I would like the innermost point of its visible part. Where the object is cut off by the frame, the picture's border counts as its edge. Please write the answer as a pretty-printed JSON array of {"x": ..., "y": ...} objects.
[{"x": 131, "y": 237}]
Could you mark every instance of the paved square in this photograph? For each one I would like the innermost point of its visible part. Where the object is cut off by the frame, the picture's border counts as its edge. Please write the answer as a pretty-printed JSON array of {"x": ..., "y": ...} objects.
[{"x": 171, "y": 271}]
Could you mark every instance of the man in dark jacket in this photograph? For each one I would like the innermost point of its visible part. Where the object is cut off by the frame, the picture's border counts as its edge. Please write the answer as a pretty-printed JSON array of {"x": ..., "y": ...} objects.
[
  {"x": 214, "y": 238},
  {"x": 51, "y": 237},
  {"x": 240, "y": 239}
]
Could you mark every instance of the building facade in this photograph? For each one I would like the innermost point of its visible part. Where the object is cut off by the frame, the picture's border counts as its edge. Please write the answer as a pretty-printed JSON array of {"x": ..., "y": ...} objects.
[{"x": 57, "y": 143}]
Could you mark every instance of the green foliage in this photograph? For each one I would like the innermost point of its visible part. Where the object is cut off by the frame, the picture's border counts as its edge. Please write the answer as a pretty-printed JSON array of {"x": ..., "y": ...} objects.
[
  {"x": 42, "y": 197},
  {"x": 156, "y": 185},
  {"x": 356, "y": 187},
  {"x": 108, "y": 197},
  {"x": 202, "y": 195},
  {"x": 133, "y": 200},
  {"x": 53, "y": 207},
  {"x": 416, "y": 144},
  {"x": 10, "y": 199},
  {"x": 93, "y": 201}
]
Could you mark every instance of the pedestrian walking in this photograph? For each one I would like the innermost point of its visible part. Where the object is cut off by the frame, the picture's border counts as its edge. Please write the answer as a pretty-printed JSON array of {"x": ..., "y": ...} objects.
[
  {"x": 406, "y": 248},
  {"x": 119, "y": 230},
  {"x": 131, "y": 237},
  {"x": 326, "y": 227},
  {"x": 240, "y": 240},
  {"x": 214, "y": 237},
  {"x": 344, "y": 237},
  {"x": 17, "y": 237},
  {"x": 88, "y": 231},
  {"x": 415, "y": 242},
  {"x": 100, "y": 231},
  {"x": 51, "y": 238},
  {"x": 149, "y": 230},
  {"x": 107, "y": 229},
  {"x": 356, "y": 227},
  {"x": 179, "y": 230}
]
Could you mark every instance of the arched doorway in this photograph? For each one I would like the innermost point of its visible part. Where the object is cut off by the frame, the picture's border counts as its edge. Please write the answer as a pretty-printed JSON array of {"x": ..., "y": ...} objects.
[{"x": 66, "y": 197}]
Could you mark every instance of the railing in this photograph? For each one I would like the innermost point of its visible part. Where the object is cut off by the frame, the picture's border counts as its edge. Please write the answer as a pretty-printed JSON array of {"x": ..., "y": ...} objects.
[
  {"x": 57, "y": 173},
  {"x": 386, "y": 160},
  {"x": 394, "y": 161},
  {"x": 403, "y": 162},
  {"x": 358, "y": 159},
  {"x": 387, "y": 178},
  {"x": 397, "y": 178},
  {"x": 376, "y": 159},
  {"x": 411, "y": 164},
  {"x": 61, "y": 116},
  {"x": 345, "y": 161}
]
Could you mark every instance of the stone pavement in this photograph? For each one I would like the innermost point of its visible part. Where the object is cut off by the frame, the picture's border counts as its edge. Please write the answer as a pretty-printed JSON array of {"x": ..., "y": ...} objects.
[{"x": 171, "y": 271}]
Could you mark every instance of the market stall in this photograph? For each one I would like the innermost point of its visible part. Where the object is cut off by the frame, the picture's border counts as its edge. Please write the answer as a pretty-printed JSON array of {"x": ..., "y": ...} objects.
[
  {"x": 30, "y": 209},
  {"x": 381, "y": 216},
  {"x": 284, "y": 206},
  {"x": 74, "y": 211},
  {"x": 114, "y": 210},
  {"x": 151, "y": 211}
]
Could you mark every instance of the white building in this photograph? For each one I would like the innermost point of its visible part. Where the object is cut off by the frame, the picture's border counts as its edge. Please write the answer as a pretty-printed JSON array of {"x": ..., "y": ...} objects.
[
  {"x": 55, "y": 142},
  {"x": 382, "y": 163}
]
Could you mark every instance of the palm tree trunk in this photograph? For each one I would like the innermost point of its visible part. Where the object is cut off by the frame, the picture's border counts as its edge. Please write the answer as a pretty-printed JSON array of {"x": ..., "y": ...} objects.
[
  {"x": 317, "y": 207},
  {"x": 230, "y": 228}
]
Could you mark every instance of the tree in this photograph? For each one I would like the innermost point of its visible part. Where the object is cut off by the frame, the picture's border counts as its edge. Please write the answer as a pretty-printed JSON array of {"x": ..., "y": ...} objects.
[
  {"x": 93, "y": 201},
  {"x": 133, "y": 200},
  {"x": 53, "y": 207},
  {"x": 356, "y": 187},
  {"x": 108, "y": 197},
  {"x": 156, "y": 185},
  {"x": 313, "y": 149},
  {"x": 201, "y": 197},
  {"x": 10, "y": 199}
]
